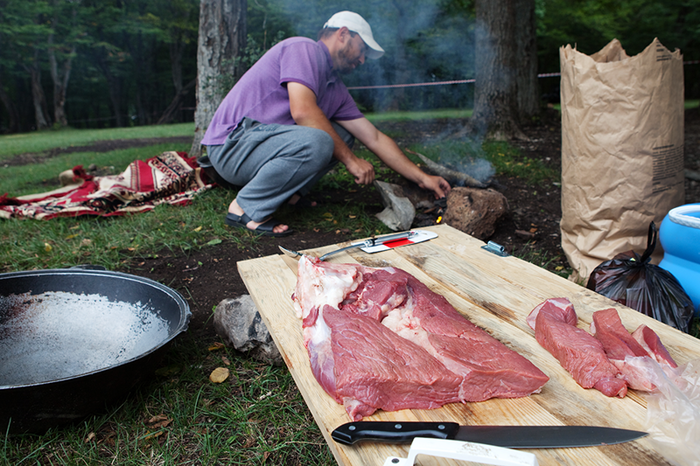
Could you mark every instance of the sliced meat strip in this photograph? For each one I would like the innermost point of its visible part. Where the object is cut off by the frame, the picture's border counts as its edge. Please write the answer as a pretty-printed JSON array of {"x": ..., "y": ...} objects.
[
  {"x": 651, "y": 342},
  {"x": 561, "y": 305},
  {"x": 622, "y": 349},
  {"x": 617, "y": 341},
  {"x": 577, "y": 351}
]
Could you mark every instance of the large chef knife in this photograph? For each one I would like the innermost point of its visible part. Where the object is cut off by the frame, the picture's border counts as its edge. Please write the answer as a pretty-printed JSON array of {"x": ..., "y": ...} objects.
[{"x": 501, "y": 436}]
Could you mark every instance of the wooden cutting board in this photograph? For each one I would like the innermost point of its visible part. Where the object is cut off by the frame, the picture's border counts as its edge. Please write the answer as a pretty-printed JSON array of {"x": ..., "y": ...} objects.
[{"x": 496, "y": 293}]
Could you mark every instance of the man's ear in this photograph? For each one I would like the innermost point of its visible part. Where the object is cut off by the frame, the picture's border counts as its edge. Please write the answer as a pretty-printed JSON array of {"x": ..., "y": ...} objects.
[{"x": 344, "y": 34}]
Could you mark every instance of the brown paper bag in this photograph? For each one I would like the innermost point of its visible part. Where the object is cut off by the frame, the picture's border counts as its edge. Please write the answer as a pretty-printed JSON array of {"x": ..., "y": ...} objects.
[{"x": 622, "y": 149}]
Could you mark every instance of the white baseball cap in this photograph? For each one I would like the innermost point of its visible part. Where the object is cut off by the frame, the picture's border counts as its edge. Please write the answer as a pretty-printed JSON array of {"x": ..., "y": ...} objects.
[{"x": 356, "y": 23}]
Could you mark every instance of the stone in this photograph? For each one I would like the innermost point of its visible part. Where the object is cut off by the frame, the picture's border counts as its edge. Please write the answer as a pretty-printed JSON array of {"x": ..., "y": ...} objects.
[
  {"x": 399, "y": 211},
  {"x": 475, "y": 211},
  {"x": 67, "y": 177},
  {"x": 238, "y": 322},
  {"x": 76, "y": 175}
]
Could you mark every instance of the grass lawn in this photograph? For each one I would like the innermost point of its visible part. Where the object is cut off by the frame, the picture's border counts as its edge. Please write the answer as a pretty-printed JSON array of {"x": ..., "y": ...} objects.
[{"x": 39, "y": 141}]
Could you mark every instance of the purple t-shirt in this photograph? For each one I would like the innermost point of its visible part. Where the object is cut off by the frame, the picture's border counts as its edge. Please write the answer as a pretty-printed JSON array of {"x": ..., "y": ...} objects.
[{"x": 261, "y": 94}]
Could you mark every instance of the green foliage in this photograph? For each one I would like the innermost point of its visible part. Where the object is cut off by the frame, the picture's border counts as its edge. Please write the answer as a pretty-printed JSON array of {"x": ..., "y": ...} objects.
[
  {"x": 695, "y": 327},
  {"x": 505, "y": 159},
  {"x": 267, "y": 23},
  {"x": 420, "y": 115},
  {"x": 508, "y": 161},
  {"x": 24, "y": 27},
  {"x": 252, "y": 53},
  {"x": 115, "y": 57},
  {"x": 591, "y": 24}
]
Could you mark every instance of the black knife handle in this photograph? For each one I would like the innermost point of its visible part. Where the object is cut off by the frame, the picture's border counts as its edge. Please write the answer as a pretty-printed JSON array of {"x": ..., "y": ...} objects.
[{"x": 393, "y": 432}]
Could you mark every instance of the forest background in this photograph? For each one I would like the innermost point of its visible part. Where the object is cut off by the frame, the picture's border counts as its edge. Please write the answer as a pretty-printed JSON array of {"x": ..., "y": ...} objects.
[{"x": 116, "y": 63}]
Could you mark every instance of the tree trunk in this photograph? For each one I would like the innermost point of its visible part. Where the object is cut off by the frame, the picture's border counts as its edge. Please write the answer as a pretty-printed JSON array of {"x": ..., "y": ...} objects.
[
  {"x": 38, "y": 98},
  {"x": 114, "y": 83},
  {"x": 175, "y": 48},
  {"x": 60, "y": 77},
  {"x": 222, "y": 37},
  {"x": 169, "y": 113},
  {"x": 527, "y": 85},
  {"x": 498, "y": 61},
  {"x": 60, "y": 83},
  {"x": 12, "y": 113},
  {"x": 141, "y": 49}
]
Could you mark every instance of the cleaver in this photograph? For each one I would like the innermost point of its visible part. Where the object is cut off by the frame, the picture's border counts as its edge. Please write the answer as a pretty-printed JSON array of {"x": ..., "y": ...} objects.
[{"x": 501, "y": 436}]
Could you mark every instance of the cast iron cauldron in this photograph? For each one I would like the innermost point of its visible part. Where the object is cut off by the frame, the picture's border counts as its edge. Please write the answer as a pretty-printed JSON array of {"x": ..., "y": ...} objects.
[{"x": 72, "y": 341}]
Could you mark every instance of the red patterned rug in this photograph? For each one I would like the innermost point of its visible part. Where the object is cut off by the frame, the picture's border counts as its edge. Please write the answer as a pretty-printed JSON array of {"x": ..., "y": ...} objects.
[{"x": 170, "y": 178}]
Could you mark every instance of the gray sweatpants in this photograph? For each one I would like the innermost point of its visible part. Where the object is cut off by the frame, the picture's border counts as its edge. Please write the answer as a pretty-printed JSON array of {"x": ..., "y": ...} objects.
[{"x": 272, "y": 162}]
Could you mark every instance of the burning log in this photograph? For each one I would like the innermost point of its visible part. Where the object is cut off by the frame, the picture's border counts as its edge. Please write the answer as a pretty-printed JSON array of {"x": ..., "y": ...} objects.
[{"x": 453, "y": 176}]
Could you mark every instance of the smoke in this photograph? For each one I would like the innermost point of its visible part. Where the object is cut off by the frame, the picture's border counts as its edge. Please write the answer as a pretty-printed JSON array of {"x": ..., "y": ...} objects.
[
  {"x": 423, "y": 44},
  {"x": 461, "y": 155},
  {"x": 478, "y": 168}
]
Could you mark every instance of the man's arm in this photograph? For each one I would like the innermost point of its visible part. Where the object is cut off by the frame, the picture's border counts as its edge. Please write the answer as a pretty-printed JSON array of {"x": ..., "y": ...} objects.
[
  {"x": 389, "y": 152},
  {"x": 306, "y": 112}
]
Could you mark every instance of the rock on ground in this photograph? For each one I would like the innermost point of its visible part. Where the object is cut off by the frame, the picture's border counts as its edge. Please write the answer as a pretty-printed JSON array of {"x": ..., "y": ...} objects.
[
  {"x": 238, "y": 323},
  {"x": 399, "y": 212},
  {"x": 475, "y": 211}
]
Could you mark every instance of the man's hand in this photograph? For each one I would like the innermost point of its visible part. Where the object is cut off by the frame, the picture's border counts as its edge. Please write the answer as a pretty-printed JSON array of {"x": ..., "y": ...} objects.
[
  {"x": 437, "y": 185},
  {"x": 361, "y": 169},
  {"x": 390, "y": 153}
]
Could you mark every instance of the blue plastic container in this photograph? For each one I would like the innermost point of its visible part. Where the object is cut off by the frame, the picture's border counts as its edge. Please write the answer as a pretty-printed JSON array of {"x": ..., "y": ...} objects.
[{"x": 680, "y": 237}]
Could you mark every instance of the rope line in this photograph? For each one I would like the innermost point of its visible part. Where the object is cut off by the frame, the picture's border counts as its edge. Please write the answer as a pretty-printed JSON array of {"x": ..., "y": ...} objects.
[
  {"x": 435, "y": 83},
  {"x": 438, "y": 83},
  {"x": 461, "y": 81}
]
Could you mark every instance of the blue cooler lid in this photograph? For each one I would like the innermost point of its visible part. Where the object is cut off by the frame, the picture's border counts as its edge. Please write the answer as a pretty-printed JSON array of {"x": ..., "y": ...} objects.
[{"x": 679, "y": 235}]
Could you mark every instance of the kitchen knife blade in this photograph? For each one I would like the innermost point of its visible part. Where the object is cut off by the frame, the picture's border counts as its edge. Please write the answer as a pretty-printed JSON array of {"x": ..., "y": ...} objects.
[
  {"x": 386, "y": 239},
  {"x": 396, "y": 239},
  {"x": 501, "y": 436}
]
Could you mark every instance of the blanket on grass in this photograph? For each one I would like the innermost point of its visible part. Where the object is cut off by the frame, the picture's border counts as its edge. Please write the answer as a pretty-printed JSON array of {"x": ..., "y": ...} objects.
[{"x": 169, "y": 178}]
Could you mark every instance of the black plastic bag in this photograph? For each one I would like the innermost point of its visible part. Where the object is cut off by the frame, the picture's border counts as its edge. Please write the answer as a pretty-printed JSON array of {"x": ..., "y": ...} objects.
[{"x": 631, "y": 280}]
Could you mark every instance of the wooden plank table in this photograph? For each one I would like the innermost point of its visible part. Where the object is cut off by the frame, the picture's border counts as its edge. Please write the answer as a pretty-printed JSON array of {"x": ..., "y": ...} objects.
[{"x": 496, "y": 293}]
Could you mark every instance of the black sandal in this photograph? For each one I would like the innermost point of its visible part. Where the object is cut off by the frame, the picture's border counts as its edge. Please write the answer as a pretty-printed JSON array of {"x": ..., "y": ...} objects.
[
  {"x": 265, "y": 229},
  {"x": 302, "y": 203}
]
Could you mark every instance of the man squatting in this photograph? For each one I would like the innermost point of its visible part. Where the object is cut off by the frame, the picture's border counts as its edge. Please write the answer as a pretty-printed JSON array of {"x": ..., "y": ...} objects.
[{"x": 290, "y": 119}]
